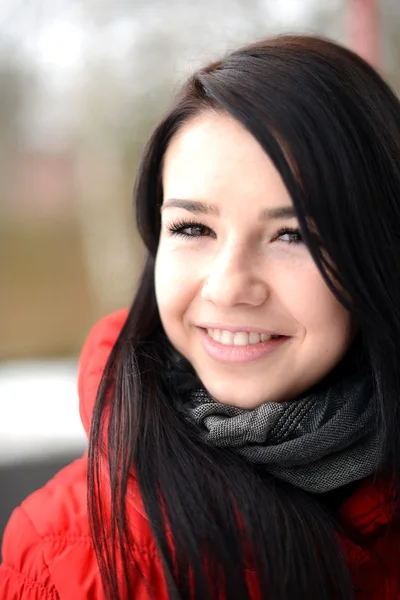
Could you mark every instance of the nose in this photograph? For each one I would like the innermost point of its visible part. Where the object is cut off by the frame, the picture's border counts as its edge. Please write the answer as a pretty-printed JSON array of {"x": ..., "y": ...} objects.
[{"x": 235, "y": 278}]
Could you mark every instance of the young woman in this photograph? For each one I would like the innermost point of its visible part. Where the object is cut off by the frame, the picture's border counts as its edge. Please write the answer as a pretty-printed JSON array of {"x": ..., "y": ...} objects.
[{"x": 244, "y": 414}]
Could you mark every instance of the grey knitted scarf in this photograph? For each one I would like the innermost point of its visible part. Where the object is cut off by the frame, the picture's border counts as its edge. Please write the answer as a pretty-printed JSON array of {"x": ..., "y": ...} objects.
[{"x": 320, "y": 442}]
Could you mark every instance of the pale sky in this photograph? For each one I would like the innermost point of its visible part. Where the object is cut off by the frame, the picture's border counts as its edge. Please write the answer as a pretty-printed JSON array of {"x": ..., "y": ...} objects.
[
  {"x": 54, "y": 34},
  {"x": 61, "y": 39}
]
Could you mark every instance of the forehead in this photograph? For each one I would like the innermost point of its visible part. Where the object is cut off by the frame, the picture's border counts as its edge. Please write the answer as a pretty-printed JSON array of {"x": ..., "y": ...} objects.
[{"x": 214, "y": 155}]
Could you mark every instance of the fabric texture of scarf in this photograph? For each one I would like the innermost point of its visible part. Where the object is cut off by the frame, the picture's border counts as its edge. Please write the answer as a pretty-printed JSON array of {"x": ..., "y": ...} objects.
[{"x": 320, "y": 442}]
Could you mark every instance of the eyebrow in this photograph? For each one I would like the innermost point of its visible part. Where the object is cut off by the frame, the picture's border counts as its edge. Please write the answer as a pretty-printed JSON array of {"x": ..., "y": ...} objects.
[{"x": 198, "y": 207}]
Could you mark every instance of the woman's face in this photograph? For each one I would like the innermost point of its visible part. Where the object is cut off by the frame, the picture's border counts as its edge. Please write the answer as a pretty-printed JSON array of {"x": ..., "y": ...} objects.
[{"x": 238, "y": 292}]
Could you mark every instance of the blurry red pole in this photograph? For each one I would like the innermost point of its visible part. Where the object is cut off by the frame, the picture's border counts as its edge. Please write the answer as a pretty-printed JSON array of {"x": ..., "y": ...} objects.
[{"x": 363, "y": 29}]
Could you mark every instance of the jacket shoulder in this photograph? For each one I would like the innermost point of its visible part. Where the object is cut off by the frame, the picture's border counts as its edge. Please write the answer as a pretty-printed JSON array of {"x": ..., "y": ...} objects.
[
  {"x": 24, "y": 572},
  {"x": 48, "y": 552},
  {"x": 48, "y": 529}
]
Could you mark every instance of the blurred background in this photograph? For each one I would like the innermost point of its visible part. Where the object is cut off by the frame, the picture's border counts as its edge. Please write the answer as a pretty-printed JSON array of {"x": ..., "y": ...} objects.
[{"x": 82, "y": 83}]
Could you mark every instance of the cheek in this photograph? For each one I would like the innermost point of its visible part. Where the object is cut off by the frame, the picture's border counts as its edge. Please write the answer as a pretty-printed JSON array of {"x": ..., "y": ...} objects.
[
  {"x": 173, "y": 284},
  {"x": 310, "y": 302}
]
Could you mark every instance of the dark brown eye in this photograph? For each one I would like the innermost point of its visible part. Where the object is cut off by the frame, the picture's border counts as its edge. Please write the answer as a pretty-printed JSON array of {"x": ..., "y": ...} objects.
[
  {"x": 189, "y": 230},
  {"x": 289, "y": 236}
]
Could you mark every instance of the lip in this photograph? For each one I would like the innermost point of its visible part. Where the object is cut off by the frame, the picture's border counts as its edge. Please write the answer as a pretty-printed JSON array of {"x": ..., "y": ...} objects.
[
  {"x": 237, "y": 328},
  {"x": 239, "y": 354}
]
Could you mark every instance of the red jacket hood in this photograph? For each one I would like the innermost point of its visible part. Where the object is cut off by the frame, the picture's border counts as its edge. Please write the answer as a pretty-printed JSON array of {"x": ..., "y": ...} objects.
[
  {"x": 93, "y": 359},
  {"x": 366, "y": 512}
]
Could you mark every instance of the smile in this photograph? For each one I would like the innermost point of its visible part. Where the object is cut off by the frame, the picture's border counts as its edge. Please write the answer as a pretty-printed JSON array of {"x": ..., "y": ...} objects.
[
  {"x": 240, "y": 346},
  {"x": 240, "y": 338}
]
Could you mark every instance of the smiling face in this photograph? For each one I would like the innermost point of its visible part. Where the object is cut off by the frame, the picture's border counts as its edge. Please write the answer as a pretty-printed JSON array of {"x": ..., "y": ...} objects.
[{"x": 239, "y": 294}]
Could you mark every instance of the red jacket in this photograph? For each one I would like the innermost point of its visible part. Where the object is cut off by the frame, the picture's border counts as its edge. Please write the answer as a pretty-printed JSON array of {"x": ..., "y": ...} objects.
[{"x": 47, "y": 550}]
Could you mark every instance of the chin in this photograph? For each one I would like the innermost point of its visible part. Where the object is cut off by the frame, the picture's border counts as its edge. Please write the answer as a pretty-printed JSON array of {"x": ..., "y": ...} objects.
[{"x": 247, "y": 400}]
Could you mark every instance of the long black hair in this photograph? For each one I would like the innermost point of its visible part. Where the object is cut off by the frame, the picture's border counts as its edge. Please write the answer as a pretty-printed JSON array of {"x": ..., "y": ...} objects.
[{"x": 331, "y": 126}]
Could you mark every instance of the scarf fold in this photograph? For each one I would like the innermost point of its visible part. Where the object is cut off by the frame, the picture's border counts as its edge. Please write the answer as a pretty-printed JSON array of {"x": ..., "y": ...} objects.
[{"x": 325, "y": 440}]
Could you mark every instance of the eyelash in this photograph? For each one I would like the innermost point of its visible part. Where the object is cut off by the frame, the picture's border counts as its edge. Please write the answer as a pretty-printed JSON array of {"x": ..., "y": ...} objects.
[
  {"x": 178, "y": 228},
  {"x": 291, "y": 231}
]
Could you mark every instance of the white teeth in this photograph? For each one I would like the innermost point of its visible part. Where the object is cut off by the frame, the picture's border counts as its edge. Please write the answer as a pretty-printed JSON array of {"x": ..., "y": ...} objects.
[
  {"x": 241, "y": 338},
  {"x": 254, "y": 338},
  {"x": 216, "y": 335},
  {"x": 226, "y": 338}
]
